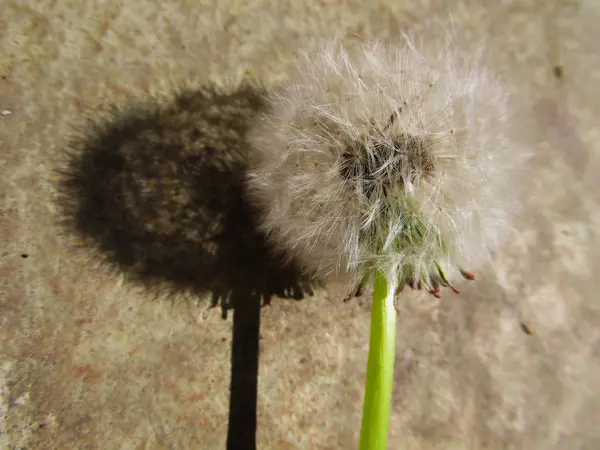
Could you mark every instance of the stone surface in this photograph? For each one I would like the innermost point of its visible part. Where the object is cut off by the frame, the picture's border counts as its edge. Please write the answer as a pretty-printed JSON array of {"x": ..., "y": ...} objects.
[{"x": 91, "y": 359}]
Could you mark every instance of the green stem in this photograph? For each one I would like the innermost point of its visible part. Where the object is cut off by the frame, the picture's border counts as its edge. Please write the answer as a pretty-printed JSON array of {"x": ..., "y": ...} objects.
[{"x": 380, "y": 368}]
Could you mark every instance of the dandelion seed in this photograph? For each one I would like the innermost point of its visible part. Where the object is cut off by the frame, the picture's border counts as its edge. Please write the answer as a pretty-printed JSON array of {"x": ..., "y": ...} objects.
[
  {"x": 406, "y": 162},
  {"x": 526, "y": 329}
]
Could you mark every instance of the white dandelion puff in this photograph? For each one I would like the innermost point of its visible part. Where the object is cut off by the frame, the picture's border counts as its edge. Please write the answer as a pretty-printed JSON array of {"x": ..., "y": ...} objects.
[{"x": 387, "y": 158}]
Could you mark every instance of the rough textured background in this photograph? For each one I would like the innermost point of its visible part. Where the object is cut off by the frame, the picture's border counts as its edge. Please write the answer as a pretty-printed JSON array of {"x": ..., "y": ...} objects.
[{"x": 91, "y": 360}]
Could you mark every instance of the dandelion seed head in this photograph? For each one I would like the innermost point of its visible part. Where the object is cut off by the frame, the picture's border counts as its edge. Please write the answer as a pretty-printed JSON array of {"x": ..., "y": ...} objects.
[{"x": 389, "y": 158}]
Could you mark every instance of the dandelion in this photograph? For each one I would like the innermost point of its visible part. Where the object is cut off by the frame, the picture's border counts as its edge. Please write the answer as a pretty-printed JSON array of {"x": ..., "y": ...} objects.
[
  {"x": 392, "y": 162},
  {"x": 387, "y": 159}
]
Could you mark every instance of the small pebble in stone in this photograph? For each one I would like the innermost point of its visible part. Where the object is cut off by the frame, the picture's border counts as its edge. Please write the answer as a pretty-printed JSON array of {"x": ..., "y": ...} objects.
[
  {"x": 558, "y": 71},
  {"x": 5, "y": 112}
]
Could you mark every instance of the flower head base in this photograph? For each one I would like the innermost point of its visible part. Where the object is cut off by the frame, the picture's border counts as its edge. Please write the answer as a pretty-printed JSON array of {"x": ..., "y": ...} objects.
[{"x": 396, "y": 160}]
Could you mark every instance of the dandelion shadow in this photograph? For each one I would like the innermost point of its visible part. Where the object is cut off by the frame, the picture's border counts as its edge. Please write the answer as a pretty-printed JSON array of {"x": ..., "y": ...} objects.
[{"x": 157, "y": 189}]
